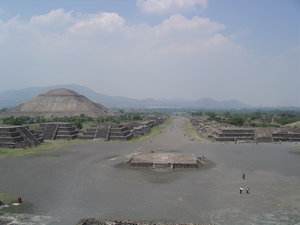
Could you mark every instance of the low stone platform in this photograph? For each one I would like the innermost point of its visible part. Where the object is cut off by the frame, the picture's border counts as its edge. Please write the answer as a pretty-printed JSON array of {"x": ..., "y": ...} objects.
[{"x": 164, "y": 160}]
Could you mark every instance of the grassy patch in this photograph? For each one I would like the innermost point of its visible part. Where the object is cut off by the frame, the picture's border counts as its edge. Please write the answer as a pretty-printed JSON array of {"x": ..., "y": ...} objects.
[
  {"x": 295, "y": 124},
  {"x": 296, "y": 151},
  {"x": 86, "y": 125},
  {"x": 46, "y": 146},
  {"x": 155, "y": 131},
  {"x": 189, "y": 128},
  {"x": 7, "y": 199},
  {"x": 3, "y": 151},
  {"x": 192, "y": 131},
  {"x": 33, "y": 126}
]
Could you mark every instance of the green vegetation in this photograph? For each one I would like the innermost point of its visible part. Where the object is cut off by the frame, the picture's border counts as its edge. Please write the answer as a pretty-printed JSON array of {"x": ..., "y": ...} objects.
[
  {"x": 7, "y": 199},
  {"x": 189, "y": 128},
  {"x": 192, "y": 131},
  {"x": 296, "y": 151},
  {"x": 286, "y": 118},
  {"x": 255, "y": 119},
  {"x": 47, "y": 146},
  {"x": 78, "y": 121},
  {"x": 236, "y": 120}
]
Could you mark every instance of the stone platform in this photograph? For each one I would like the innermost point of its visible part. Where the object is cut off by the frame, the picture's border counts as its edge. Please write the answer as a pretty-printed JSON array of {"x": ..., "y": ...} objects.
[{"x": 164, "y": 160}]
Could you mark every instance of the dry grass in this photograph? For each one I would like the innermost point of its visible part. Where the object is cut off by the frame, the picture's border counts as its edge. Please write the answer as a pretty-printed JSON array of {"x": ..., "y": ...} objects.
[
  {"x": 295, "y": 124},
  {"x": 155, "y": 131}
]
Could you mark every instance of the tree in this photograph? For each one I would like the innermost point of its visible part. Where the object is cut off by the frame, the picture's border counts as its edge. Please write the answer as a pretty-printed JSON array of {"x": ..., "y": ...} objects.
[
  {"x": 236, "y": 120},
  {"x": 78, "y": 124},
  {"x": 211, "y": 116}
]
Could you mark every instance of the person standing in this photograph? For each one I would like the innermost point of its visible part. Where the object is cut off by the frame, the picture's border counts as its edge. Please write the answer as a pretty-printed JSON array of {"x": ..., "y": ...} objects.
[
  {"x": 241, "y": 190},
  {"x": 20, "y": 199}
]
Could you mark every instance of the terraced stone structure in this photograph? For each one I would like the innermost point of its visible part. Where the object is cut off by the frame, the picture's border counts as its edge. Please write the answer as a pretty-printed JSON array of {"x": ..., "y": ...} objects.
[
  {"x": 139, "y": 131},
  {"x": 290, "y": 135},
  {"x": 234, "y": 134},
  {"x": 52, "y": 131},
  {"x": 225, "y": 132},
  {"x": 18, "y": 137},
  {"x": 164, "y": 160},
  {"x": 118, "y": 132},
  {"x": 107, "y": 132},
  {"x": 93, "y": 132}
]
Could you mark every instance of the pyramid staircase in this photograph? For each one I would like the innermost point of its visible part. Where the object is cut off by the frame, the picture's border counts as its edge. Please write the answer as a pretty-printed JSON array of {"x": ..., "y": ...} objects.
[
  {"x": 118, "y": 132},
  {"x": 97, "y": 131},
  {"x": 52, "y": 131},
  {"x": 107, "y": 132}
]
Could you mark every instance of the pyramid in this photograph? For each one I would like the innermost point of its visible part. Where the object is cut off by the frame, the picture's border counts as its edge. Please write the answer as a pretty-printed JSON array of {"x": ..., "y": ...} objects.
[{"x": 59, "y": 103}]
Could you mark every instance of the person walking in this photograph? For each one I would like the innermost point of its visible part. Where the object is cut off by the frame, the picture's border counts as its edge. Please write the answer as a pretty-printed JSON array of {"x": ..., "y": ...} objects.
[
  {"x": 247, "y": 190},
  {"x": 241, "y": 190},
  {"x": 244, "y": 176}
]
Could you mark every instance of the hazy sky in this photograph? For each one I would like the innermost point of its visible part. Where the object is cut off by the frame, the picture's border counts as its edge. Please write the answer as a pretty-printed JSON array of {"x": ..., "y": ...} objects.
[{"x": 243, "y": 49}]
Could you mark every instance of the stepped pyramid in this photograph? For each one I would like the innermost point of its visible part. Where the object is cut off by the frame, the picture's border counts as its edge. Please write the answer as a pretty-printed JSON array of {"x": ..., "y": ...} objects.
[{"x": 59, "y": 103}]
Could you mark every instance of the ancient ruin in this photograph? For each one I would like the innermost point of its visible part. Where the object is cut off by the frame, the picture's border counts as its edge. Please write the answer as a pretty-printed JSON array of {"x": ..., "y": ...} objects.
[
  {"x": 107, "y": 132},
  {"x": 55, "y": 130},
  {"x": 233, "y": 134},
  {"x": 165, "y": 160},
  {"x": 286, "y": 134},
  {"x": 59, "y": 103},
  {"x": 95, "y": 131},
  {"x": 120, "y": 132},
  {"x": 18, "y": 137},
  {"x": 224, "y": 132}
]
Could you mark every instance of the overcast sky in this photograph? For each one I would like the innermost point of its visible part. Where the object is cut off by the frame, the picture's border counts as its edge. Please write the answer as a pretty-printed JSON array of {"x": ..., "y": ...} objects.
[{"x": 247, "y": 50}]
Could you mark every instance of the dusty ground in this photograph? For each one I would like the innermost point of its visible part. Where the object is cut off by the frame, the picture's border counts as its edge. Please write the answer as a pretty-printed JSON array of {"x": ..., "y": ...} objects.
[{"x": 89, "y": 180}]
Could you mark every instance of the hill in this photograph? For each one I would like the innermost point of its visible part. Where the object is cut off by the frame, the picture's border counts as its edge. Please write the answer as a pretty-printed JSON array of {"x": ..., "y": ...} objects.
[{"x": 12, "y": 98}]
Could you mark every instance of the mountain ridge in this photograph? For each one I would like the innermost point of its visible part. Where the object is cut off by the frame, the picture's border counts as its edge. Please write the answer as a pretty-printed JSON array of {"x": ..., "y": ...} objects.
[{"x": 12, "y": 98}]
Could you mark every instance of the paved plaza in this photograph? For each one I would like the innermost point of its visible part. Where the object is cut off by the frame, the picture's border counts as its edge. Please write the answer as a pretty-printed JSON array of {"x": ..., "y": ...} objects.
[{"x": 90, "y": 180}]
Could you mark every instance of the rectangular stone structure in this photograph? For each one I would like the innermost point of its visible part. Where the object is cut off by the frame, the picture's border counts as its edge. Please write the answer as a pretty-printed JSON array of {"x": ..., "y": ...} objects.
[{"x": 165, "y": 160}]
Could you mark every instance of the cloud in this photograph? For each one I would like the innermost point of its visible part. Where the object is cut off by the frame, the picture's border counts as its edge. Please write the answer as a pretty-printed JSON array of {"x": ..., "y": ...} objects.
[
  {"x": 105, "y": 53},
  {"x": 53, "y": 17},
  {"x": 181, "y": 35},
  {"x": 162, "y": 6},
  {"x": 107, "y": 22}
]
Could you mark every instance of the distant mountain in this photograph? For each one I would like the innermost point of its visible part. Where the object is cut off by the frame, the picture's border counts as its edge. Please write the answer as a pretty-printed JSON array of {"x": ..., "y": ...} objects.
[
  {"x": 208, "y": 103},
  {"x": 12, "y": 98}
]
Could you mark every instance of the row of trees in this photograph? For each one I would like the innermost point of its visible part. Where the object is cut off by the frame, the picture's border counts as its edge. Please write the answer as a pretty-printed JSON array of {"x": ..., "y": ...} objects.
[
  {"x": 255, "y": 119},
  {"x": 76, "y": 120}
]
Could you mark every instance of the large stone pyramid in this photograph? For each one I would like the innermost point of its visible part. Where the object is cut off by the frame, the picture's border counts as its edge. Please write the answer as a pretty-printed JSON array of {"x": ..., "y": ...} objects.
[{"x": 59, "y": 103}]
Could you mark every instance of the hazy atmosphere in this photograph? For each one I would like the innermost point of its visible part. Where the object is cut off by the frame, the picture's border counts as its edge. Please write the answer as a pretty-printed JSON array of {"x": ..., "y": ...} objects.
[{"x": 162, "y": 49}]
